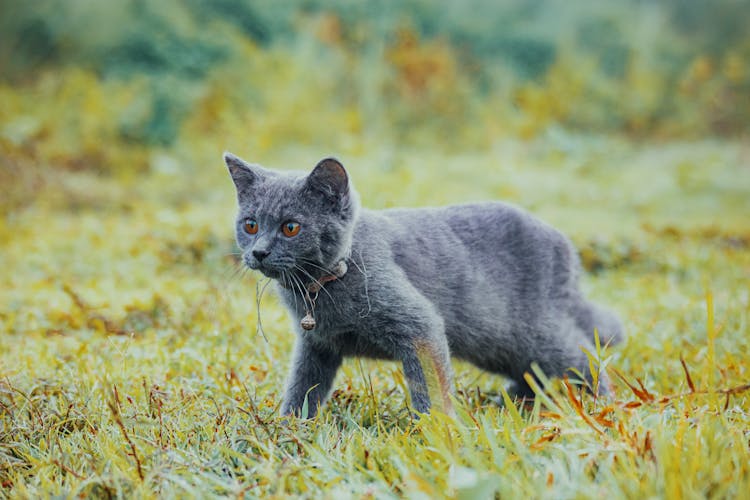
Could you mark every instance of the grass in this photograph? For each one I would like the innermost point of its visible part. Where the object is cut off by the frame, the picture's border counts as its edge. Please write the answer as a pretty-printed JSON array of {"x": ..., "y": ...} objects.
[{"x": 131, "y": 363}]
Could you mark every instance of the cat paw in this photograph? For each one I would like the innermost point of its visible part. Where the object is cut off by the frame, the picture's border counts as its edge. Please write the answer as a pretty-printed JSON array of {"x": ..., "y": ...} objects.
[{"x": 521, "y": 395}]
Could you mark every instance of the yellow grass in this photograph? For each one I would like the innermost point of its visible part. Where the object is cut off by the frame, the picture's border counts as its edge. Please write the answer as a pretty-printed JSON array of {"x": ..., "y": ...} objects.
[{"x": 131, "y": 363}]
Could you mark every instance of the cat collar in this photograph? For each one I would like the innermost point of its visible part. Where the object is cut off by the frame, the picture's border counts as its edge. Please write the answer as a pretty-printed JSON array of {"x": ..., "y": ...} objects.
[{"x": 312, "y": 289}]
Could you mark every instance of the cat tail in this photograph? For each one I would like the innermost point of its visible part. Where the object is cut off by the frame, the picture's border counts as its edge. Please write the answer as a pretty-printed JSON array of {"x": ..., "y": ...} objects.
[{"x": 590, "y": 317}]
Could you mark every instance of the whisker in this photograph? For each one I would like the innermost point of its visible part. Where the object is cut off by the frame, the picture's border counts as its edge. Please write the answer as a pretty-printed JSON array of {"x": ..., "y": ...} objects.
[
  {"x": 258, "y": 297},
  {"x": 244, "y": 272},
  {"x": 363, "y": 269},
  {"x": 367, "y": 291},
  {"x": 298, "y": 286},
  {"x": 325, "y": 270},
  {"x": 308, "y": 262},
  {"x": 314, "y": 264},
  {"x": 316, "y": 281},
  {"x": 287, "y": 284},
  {"x": 231, "y": 271}
]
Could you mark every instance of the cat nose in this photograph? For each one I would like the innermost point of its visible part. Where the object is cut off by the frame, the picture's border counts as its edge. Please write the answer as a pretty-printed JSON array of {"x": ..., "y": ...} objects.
[{"x": 260, "y": 254}]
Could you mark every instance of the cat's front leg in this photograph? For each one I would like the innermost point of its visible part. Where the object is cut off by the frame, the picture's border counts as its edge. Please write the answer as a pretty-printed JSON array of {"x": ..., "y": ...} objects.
[
  {"x": 429, "y": 374},
  {"x": 414, "y": 333},
  {"x": 312, "y": 373}
]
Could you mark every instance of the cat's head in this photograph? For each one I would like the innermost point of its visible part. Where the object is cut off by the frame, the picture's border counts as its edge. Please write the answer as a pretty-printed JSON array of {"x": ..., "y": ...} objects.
[{"x": 287, "y": 220}]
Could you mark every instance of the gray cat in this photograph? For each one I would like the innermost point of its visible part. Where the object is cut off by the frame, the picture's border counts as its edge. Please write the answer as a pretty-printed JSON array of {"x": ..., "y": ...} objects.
[{"x": 484, "y": 282}]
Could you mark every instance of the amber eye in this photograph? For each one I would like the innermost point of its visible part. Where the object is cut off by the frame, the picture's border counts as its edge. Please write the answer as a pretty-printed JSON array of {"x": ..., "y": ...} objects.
[
  {"x": 251, "y": 227},
  {"x": 290, "y": 229}
]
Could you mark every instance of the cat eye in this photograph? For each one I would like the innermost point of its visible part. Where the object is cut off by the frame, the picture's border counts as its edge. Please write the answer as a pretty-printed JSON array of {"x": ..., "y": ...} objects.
[
  {"x": 250, "y": 226},
  {"x": 290, "y": 228}
]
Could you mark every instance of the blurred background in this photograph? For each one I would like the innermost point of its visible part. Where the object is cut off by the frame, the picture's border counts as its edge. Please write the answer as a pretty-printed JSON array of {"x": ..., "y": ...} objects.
[{"x": 107, "y": 86}]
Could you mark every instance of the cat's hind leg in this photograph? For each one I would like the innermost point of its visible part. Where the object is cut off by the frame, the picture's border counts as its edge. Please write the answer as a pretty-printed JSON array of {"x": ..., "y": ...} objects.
[
  {"x": 590, "y": 316},
  {"x": 520, "y": 391},
  {"x": 559, "y": 352}
]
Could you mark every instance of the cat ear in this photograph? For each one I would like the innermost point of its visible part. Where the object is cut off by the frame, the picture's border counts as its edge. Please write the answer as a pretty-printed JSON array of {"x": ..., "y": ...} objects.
[
  {"x": 243, "y": 174},
  {"x": 329, "y": 177}
]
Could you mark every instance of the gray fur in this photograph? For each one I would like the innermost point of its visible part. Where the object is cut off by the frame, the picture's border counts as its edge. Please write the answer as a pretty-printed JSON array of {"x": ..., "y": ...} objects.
[{"x": 483, "y": 282}]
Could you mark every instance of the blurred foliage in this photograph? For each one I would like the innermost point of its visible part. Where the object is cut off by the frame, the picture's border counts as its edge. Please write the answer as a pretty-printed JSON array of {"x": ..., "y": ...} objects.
[{"x": 339, "y": 73}]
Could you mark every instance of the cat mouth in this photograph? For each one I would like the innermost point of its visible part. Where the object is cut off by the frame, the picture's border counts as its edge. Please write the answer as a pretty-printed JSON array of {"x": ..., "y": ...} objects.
[
  {"x": 268, "y": 269},
  {"x": 270, "y": 272}
]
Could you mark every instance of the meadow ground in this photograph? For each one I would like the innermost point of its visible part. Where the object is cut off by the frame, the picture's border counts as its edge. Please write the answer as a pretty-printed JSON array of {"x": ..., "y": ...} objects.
[{"x": 131, "y": 363}]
